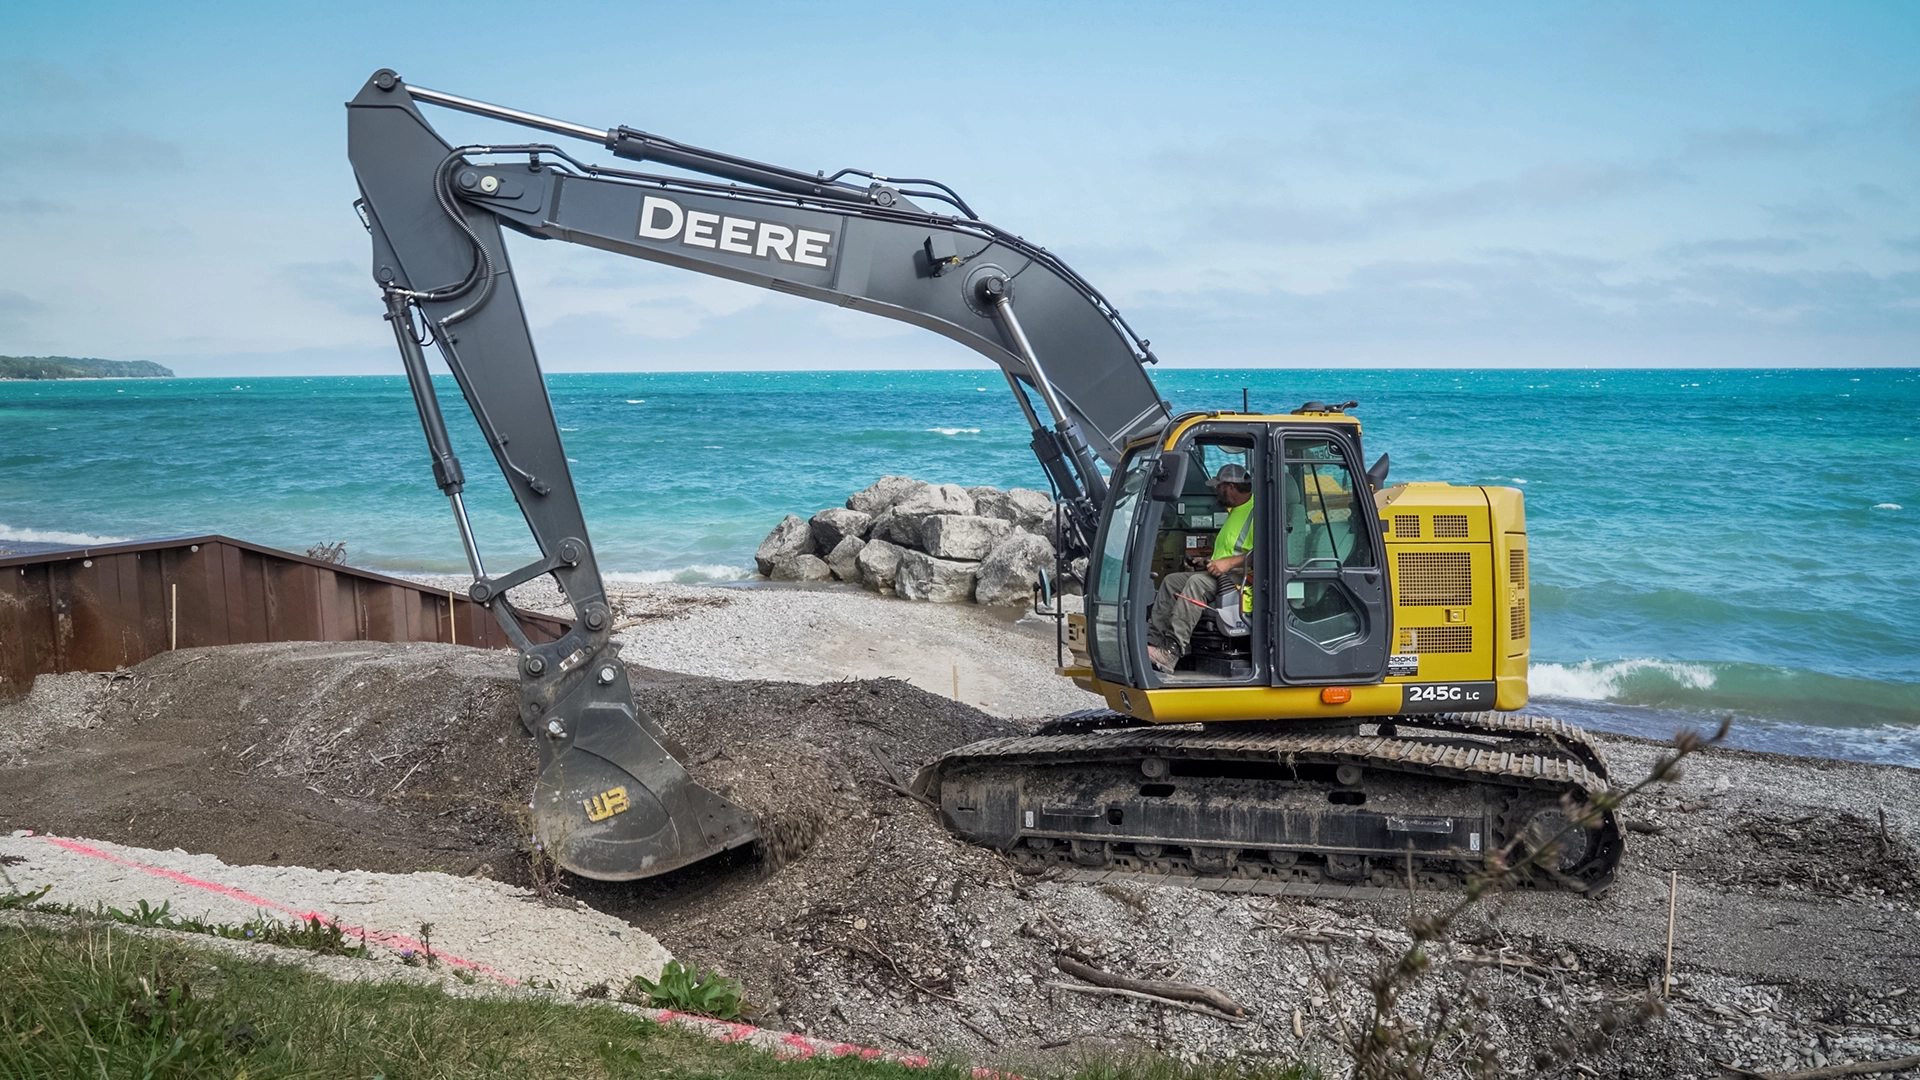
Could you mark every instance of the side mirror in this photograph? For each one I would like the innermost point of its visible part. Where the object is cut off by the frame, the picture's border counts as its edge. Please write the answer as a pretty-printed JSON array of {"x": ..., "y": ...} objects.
[
  {"x": 1043, "y": 598},
  {"x": 1377, "y": 476},
  {"x": 1170, "y": 477}
]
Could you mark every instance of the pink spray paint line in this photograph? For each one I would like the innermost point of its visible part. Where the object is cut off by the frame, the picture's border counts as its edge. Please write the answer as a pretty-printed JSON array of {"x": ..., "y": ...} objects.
[
  {"x": 784, "y": 1044},
  {"x": 397, "y": 942}
]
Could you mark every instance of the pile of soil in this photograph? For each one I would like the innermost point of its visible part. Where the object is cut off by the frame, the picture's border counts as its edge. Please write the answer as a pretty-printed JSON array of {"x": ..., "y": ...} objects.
[
  {"x": 1798, "y": 934},
  {"x": 361, "y": 755}
]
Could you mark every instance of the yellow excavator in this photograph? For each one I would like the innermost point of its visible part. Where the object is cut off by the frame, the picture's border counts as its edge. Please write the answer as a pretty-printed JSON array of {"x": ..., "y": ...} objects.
[{"x": 1334, "y": 713}]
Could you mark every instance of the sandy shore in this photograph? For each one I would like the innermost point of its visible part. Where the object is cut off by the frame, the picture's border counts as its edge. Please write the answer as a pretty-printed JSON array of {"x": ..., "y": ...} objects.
[{"x": 1003, "y": 657}]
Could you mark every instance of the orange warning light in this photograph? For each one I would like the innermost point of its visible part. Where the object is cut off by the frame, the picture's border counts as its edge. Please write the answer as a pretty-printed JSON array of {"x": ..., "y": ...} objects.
[{"x": 1336, "y": 695}]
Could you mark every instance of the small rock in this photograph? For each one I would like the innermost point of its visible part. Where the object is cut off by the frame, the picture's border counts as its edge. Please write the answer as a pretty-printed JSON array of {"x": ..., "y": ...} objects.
[
  {"x": 942, "y": 581},
  {"x": 1012, "y": 569},
  {"x": 834, "y": 524},
  {"x": 1723, "y": 785},
  {"x": 801, "y": 568},
  {"x": 1076, "y": 577},
  {"x": 883, "y": 493},
  {"x": 844, "y": 559},
  {"x": 936, "y": 499},
  {"x": 793, "y": 536},
  {"x": 962, "y": 536},
  {"x": 878, "y": 562}
]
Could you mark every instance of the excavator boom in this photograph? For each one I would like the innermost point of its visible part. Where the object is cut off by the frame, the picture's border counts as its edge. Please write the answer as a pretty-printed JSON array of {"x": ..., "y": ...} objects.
[{"x": 611, "y": 801}]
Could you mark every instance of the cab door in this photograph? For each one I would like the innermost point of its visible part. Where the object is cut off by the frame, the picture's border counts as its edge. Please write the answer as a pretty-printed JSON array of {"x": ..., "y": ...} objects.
[
  {"x": 1119, "y": 588},
  {"x": 1334, "y": 618}
]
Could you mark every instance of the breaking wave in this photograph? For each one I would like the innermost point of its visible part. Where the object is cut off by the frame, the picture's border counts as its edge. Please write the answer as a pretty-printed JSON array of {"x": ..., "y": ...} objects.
[
  {"x": 1719, "y": 687},
  {"x": 697, "y": 574},
  {"x": 53, "y": 536},
  {"x": 1593, "y": 680},
  {"x": 955, "y": 430}
]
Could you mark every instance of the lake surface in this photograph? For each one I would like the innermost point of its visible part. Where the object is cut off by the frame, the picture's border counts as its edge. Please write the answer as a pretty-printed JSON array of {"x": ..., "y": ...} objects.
[{"x": 1703, "y": 542}]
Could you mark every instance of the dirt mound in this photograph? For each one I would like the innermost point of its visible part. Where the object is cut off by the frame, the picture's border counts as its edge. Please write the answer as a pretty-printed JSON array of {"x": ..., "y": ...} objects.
[{"x": 361, "y": 755}]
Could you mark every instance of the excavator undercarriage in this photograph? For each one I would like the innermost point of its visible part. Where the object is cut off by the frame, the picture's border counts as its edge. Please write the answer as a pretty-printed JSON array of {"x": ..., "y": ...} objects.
[{"x": 1408, "y": 802}]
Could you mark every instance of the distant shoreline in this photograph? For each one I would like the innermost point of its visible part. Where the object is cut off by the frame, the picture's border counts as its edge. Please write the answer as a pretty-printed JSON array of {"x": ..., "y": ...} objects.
[
  {"x": 84, "y": 378},
  {"x": 64, "y": 368}
]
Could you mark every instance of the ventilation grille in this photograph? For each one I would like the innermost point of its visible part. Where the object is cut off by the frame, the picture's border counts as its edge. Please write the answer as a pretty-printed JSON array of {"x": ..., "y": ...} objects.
[
  {"x": 1434, "y": 579},
  {"x": 1517, "y": 567},
  {"x": 1406, "y": 526},
  {"x": 1436, "y": 639},
  {"x": 1517, "y": 623},
  {"x": 1450, "y": 526}
]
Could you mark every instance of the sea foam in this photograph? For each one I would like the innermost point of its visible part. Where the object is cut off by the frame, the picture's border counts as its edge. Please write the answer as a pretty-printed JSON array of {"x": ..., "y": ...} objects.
[
  {"x": 696, "y": 574},
  {"x": 1594, "y": 680},
  {"x": 54, "y": 536}
]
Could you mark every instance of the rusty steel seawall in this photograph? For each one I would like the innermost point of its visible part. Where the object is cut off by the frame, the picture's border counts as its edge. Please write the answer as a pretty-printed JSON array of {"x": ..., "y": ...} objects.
[{"x": 101, "y": 608}]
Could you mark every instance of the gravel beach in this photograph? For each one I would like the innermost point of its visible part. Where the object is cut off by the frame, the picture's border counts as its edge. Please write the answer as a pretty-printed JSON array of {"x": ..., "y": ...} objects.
[{"x": 1797, "y": 916}]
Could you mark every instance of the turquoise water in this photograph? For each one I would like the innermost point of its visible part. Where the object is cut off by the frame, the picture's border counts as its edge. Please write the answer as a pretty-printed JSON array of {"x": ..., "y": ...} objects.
[{"x": 1703, "y": 541}]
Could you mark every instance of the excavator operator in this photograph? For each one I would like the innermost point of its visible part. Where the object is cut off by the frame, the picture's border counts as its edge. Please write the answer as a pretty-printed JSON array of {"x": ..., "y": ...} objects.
[{"x": 1186, "y": 595}]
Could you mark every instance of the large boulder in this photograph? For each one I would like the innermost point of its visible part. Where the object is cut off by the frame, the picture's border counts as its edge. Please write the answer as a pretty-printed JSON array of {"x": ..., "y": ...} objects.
[
  {"x": 1009, "y": 573},
  {"x": 894, "y": 528},
  {"x": 1024, "y": 507},
  {"x": 805, "y": 567},
  {"x": 987, "y": 501},
  {"x": 935, "y": 499},
  {"x": 942, "y": 581},
  {"x": 961, "y": 536},
  {"x": 1033, "y": 510},
  {"x": 844, "y": 559},
  {"x": 878, "y": 563},
  {"x": 883, "y": 493},
  {"x": 834, "y": 524},
  {"x": 793, "y": 536}
]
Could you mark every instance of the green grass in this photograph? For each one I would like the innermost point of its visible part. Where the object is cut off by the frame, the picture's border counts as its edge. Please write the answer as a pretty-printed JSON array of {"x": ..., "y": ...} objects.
[{"x": 97, "y": 1001}]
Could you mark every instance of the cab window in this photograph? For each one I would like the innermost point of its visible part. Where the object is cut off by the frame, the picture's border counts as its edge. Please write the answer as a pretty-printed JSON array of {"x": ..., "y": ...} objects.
[{"x": 1326, "y": 533}]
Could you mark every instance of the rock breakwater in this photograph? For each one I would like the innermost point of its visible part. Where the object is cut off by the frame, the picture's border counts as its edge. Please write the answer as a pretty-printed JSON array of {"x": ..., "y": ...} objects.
[{"x": 922, "y": 541}]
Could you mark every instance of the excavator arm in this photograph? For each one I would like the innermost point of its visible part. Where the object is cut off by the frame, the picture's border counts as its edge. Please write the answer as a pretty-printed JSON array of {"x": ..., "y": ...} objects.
[{"x": 611, "y": 801}]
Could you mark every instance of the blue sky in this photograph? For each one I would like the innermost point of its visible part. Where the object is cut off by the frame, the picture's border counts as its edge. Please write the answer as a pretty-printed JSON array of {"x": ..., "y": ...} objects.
[{"x": 1277, "y": 184}]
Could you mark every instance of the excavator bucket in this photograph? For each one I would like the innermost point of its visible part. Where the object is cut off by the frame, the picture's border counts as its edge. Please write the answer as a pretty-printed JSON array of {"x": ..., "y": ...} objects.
[{"x": 611, "y": 802}]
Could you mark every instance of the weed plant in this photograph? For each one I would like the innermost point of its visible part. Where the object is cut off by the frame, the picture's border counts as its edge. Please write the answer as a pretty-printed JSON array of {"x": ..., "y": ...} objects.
[
  {"x": 680, "y": 989},
  {"x": 312, "y": 934}
]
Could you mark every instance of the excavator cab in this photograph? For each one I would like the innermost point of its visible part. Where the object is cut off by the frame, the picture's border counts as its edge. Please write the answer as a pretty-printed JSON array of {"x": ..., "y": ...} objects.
[{"x": 1314, "y": 597}]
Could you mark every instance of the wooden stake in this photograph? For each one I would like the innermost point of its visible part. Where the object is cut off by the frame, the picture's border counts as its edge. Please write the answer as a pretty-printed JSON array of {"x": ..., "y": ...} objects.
[
  {"x": 956, "y": 682},
  {"x": 453, "y": 635},
  {"x": 1673, "y": 902},
  {"x": 173, "y": 616}
]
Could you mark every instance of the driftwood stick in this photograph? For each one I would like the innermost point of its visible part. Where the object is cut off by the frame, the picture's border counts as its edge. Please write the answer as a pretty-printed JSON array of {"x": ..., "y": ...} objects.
[
  {"x": 1673, "y": 904},
  {"x": 1116, "y": 991},
  {"x": 977, "y": 1030},
  {"x": 1199, "y": 995},
  {"x": 1833, "y": 1072},
  {"x": 898, "y": 790}
]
